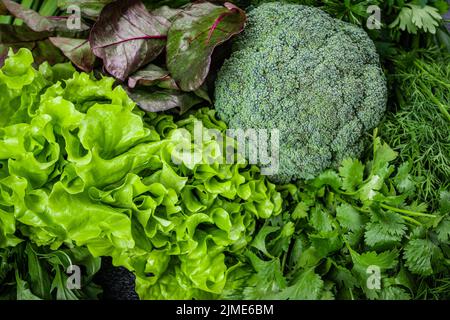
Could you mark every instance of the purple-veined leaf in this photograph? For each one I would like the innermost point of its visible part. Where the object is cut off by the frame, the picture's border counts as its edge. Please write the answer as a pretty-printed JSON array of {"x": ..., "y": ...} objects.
[
  {"x": 193, "y": 36},
  {"x": 164, "y": 99},
  {"x": 152, "y": 75},
  {"x": 77, "y": 50},
  {"x": 126, "y": 36},
  {"x": 154, "y": 4},
  {"x": 89, "y": 8},
  {"x": 38, "y": 23},
  {"x": 167, "y": 12}
]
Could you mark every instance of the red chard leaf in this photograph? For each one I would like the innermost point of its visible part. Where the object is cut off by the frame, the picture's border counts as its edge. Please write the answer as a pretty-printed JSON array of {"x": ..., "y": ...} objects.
[
  {"x": 149, "y": 76},
  {"x": 38, "y": 23},
  {"x": 89, "y": 8},
  {"x": 194, "y": 34},
  {"x": 154, "y": 4},
  {"x": 162, "y": 100},
  {"x": 77, "y": 50},
  {"x": 167, "y": 12},
  {"x": 126, "y": 36}
]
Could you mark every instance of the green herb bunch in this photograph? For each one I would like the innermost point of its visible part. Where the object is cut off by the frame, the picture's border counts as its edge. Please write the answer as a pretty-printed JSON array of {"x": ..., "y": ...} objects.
[
  {"x": 419, "y": 126},
  {"x": 355, "y": 233}
]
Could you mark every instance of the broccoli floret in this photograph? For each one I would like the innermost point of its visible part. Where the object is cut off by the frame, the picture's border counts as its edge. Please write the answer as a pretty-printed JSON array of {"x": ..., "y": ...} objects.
[{"x": 316, "y": 79}]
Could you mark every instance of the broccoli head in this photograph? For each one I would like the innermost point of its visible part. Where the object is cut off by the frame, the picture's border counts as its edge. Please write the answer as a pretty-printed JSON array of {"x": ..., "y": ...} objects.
[{"x": 316, "y": 79}]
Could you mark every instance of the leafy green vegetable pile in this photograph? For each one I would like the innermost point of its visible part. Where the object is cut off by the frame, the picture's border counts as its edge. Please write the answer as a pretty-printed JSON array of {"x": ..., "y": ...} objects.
[
  {"x": 339, "y": 228},
  {"x": 94, "y": 165},
  {"x": 127, "y": 37},
  {"x": 81, "y": 166},
  {"x": 29, "y": 272}
]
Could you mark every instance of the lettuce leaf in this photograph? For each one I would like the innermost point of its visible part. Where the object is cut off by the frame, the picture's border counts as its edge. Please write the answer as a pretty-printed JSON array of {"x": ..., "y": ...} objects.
[{"x": 80, "y": 165}]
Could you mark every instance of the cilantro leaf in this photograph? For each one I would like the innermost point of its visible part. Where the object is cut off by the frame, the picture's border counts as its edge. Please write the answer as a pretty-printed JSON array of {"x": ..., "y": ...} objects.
[
  {"x": 394, "y": 293},
  {"x": 384, "y": 228},
  {"x": 418, "y": 254},
  {"x": 300, "y": 211},
  {"x": 383, "y": 155},
  {"x": 444, "y": 202},
  {"x": 281, "y": 243},
  {"x": 403, "y": 180},
  {"x": 259, "y": 242},
  {"x": 320, "y": 219},
  {"x": 351, "y": 172},
  {"x": 443, "y": 230},
  {"x": 383, "y": 260},
  {"x": 349, "y": 217},
  {"x": 426, "y": 18},
  {"x": 369, "y": 190},
  {"x": 307, "y": 285},
  {"x": 267, "y": 280},
  {"x": 328, "y": 177},
  {"x": 344, "y": 278},
  {"x": 413, "y": 17},
  {"x": 326, "y": 243}
]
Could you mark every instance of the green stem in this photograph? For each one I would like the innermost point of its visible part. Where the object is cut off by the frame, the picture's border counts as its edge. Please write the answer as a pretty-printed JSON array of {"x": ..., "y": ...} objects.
[
  {"x": 283, "y": 262},
  {"x": 351, "y": 294},
  {"x": 347, "y": 193},
  {"x": 5, "y": 19},
  {"x": 362, "y": 210},
  {"x": 408, "y": 212},
  {"x": 48, "y": 8},
  {"x": 410, "y": 220},
  {"x": 36, "y": 4}
]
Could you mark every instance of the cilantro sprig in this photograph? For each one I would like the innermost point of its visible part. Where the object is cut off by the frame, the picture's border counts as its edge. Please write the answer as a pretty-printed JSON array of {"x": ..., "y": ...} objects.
[{"x": 354, "y": 233}]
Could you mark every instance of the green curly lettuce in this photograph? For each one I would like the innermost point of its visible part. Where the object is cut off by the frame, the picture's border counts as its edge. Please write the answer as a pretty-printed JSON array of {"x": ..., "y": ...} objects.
[{"x": 81, "y": 166}]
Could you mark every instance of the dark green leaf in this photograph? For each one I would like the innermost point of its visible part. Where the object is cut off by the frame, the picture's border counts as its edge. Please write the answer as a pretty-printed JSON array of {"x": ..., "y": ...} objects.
[
  {"x": 320, "y": 219},
  {"x": 89, "y": 8},
  {"x": 152, "y": 75},
  {"x": 23, "y": 290},
  {"x": 351, "y": 172},
  {"x": 193, "y": 36},
  {"x": 300, "y": 211},
  {"x": 267, "y": 281},
  {"x": 418, "y": 254},
  {"x": 259, "y": 242},
  {"x": 349, "y": 217},
  {"x": 328, "y": 177},
  {"x": 326, "y": 243},
  {"x": 39, "y": 279},
  {"x": 307, "y": 285},
  {"x": 161, "y": 100}
]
